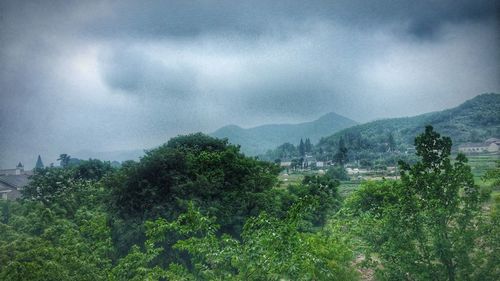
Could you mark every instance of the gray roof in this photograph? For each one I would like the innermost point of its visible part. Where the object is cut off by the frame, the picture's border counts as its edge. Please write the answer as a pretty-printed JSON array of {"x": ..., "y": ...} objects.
[
  {"x": 492, "y": 140},
  {"x": 7, "y": 171},
  {"x": 471, "y": 144},
  {"x": 16, "y": 181}
]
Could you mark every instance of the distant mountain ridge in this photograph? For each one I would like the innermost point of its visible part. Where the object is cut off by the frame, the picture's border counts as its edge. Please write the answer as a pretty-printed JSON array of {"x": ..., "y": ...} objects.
[
  {"x": 474, "y": 120},
  {"x": 258, "y": 140}
]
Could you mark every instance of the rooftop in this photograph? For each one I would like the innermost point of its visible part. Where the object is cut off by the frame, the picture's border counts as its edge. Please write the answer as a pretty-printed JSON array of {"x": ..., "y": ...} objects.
[{"x": 17, "y": 181}]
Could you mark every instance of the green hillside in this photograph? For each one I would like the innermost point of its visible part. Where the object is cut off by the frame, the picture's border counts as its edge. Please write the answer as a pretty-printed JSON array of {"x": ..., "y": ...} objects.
[
  {"x": 473, "y": 121},
  {"x": 259, "y": 139}
]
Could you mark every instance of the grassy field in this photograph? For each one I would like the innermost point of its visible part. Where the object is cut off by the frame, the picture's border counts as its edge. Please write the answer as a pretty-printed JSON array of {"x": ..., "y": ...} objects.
[
  {"x": 290, "y": 179},
  {"x": 480, "y": 164}
]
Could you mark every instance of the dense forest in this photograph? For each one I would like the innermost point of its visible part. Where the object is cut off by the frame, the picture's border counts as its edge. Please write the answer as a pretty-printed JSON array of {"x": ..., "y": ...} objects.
[{"x": 196, "y": 208}]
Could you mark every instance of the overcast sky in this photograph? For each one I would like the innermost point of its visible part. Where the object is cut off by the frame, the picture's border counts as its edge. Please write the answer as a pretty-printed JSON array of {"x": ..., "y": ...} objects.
[{"x": 119, "y": 75}]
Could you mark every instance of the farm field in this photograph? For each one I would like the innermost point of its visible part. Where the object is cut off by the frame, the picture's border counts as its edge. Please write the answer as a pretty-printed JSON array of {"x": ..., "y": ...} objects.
[{"x": 479, "y": 163}]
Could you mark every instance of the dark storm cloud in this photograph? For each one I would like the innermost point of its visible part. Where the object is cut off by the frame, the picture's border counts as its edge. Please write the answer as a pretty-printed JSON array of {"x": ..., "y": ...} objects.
[
  {"x": 114, "y": 75},
  {"x": 180, "y": 18}
]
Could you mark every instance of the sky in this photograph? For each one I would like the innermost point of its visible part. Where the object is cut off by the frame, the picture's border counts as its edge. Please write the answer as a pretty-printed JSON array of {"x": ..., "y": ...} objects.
[{"x": 121, "y": 75}]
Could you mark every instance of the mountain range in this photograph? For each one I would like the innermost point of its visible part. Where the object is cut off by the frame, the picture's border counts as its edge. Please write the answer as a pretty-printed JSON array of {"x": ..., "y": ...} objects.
[
  {"x": 473, "y": 121},
  {"x": 258, "y": 140}
]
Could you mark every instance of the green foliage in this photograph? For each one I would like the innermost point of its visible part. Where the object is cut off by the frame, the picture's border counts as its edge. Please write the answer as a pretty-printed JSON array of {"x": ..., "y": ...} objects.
[
  {"x": 222, "y": 181},
  {"x": 302, "y": 148},
  {"x": 373, "y": 140},
  {"x": 337, "y": 172},
  {"x": 373, "y": 197},
  {"x": 308, "y": 146},
  {"x": 493, "y": 175},
  {"x": 64, "y": 158},
  {"x": 92, "y": 169},
  {"x": 271, "y": 249},
  {"x": 91, "y": 222},
  {"x": 486, "y": 255},
  {"x": 39, "y": 244},
  {"x": 63, "y": 190},
  {"x": 425, "y": 227},
  {"x": 282, "y": 152},
  {"x": 341, "y": 156},
  {"x": 321, "y": 188},
  {"x": 59, "y": 231}
]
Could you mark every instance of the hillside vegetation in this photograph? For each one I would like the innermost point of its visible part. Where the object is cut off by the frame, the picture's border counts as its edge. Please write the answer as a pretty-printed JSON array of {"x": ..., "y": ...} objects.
[{"x": 473, "y": 121}]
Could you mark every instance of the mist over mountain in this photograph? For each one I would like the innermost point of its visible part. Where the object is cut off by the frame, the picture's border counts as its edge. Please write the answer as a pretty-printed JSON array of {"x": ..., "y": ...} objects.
[{"x": 258, "y": 140}]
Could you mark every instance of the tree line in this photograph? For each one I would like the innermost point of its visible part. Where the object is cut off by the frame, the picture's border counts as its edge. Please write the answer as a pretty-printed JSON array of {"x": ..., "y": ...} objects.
[{"x": 196, "y": 208}]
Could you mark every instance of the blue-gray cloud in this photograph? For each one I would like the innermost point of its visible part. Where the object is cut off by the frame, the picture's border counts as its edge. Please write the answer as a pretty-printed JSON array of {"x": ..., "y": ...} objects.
[{"x": 135, "y": 72}]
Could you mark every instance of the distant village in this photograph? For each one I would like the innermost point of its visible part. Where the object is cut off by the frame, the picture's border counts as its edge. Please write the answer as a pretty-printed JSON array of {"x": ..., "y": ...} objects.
[{"x": 354, "y": 171}]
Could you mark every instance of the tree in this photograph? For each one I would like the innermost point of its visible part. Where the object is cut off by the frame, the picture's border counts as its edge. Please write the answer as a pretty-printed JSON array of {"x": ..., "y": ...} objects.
[
  {"x": 430, "y": 231},
  {"x": 64, "y": 158},
  {"x": 271, "y": 249},
  {"x": 323, "y": 189},
  {"x": 341, "y": 155},
  {"x": 55, "y": 239},
  {"x": 302, "y": 148},
  {"x": 338, "y": 172},
  {"x": 308, "y": 145},
  {"x": 39, "y": 163},
  {"x": 493, "y": 175},
  {"x": 209, "y": 171},
  {"x": 287, "y": 150},
  {"x": 391, "y": 142},
  {"x": 92, "y": 169}
]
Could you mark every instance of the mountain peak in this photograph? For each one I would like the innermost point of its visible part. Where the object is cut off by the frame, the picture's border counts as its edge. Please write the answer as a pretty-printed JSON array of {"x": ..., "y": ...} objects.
[
  {"x": 334, "y": 116},
  {"x": 258, "y": 140}
]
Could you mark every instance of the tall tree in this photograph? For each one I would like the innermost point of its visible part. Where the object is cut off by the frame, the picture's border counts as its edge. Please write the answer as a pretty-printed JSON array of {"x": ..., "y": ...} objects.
[
  {"x": 39, "y": 163},
  {"x": 429, "y": 232},
  {"x": 391, "y": 142},
  {"x": 302, "y": 148},
  {"x": 308, "y": 145},
  {"x": 341, "y": 155}
]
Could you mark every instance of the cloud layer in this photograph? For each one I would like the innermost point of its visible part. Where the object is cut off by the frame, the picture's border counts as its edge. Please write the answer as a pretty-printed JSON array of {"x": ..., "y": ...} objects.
[{"x": 115, "y": 75}]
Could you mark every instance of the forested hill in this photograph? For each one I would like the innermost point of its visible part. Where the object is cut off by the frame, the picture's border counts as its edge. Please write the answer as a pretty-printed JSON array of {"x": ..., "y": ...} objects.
[
  {"x": 473, "y": 121},
  {"x": 259, "y": 139}
]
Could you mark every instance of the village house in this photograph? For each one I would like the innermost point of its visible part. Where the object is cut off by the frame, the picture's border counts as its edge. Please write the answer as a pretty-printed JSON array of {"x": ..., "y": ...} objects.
[
  {"x": 356, "y": 171},
  {"x": 12, "y": 185},
  {"x": 12, "y": 182},
  {"x": 309, "y": 161},
  {"x": 285, "y": 164},
  {"x": 491, "y": 145}
]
